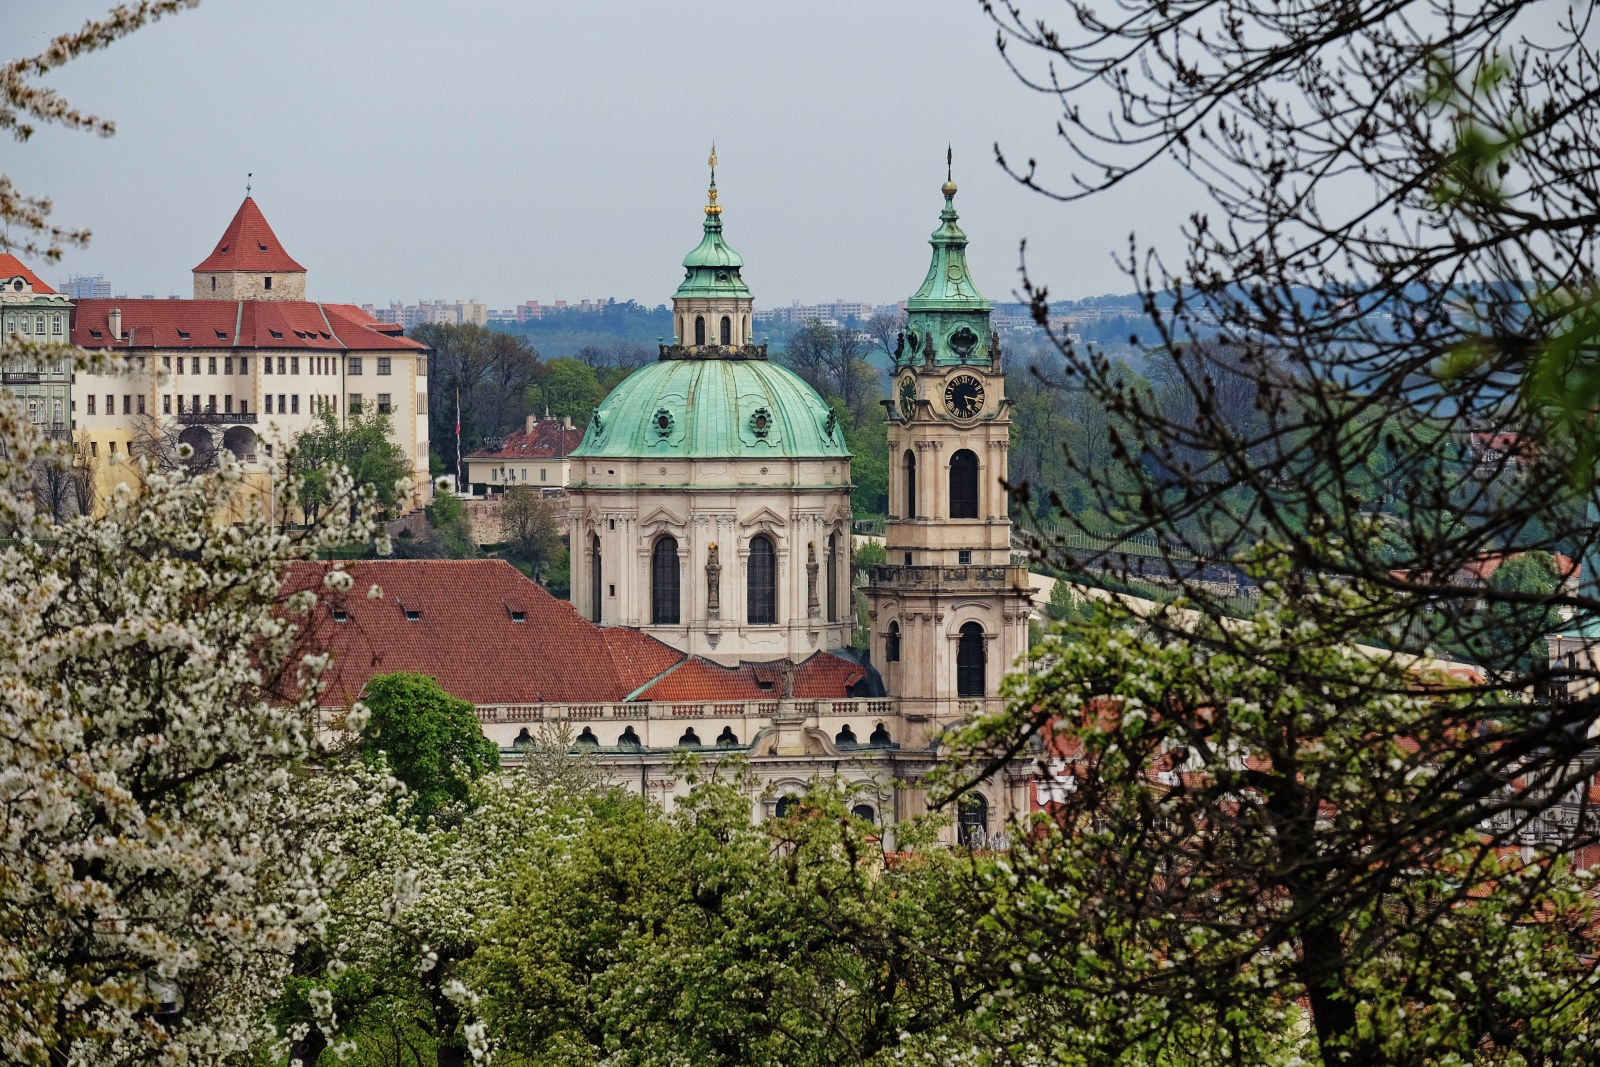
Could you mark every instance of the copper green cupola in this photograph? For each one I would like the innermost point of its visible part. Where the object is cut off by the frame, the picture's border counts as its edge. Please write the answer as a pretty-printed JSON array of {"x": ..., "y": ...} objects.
[
  {"x": 947, "y": 319},
  {"x": 711, "y": 269}
]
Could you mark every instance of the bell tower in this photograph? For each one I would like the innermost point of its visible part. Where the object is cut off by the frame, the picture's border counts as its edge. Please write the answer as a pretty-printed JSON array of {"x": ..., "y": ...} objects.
[{"x": 949, "y": 610}]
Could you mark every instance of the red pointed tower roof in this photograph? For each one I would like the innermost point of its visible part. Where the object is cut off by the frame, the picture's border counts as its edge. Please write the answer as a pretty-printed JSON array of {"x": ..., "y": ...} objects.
[{"x": 248, "y": 244}]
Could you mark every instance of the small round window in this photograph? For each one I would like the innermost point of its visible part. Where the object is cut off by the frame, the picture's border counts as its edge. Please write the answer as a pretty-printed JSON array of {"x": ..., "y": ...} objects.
[
  {"x": 663, "y": 422},
  {"x": 761, "y": 422}
]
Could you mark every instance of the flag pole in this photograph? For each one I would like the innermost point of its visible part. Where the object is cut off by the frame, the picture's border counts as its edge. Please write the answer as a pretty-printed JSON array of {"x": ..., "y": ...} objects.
[{"x": 458, "y": 439}]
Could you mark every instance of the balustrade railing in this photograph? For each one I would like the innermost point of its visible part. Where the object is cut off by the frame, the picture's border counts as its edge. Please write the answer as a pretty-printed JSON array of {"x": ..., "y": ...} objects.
[{"x": 756, "y": 709}]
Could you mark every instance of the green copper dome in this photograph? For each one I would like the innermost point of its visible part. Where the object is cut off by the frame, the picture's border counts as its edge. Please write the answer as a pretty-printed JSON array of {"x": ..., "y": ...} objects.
[
  {"x": 712, "y": 267},
  {"x": 947, "y": 319},
  {"x": 717, "y": 406}
]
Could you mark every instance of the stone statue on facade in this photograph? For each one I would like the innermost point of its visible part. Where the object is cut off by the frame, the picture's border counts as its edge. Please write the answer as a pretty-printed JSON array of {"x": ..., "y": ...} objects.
[
  {"x": 813, "y": 607},
  {"x": 713, "y": 584}
]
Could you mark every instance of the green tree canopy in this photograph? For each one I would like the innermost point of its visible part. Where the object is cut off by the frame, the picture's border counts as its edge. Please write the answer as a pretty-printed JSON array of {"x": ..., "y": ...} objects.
[{"x": 431, "y": 741}]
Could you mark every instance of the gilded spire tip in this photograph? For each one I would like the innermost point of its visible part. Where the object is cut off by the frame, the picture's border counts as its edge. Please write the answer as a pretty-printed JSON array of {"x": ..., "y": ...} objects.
[
  {"x": 712, "y": 208},
  {"x": 949, "y": 186}
]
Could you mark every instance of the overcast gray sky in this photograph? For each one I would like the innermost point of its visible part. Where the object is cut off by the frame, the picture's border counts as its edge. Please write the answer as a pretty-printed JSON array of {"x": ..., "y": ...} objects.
[{"x": 507, "y": 151}]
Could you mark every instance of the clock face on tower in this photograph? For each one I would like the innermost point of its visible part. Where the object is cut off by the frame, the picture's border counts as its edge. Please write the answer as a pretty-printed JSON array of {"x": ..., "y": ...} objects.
[
  {"x": 908, "y": 397},
  {"x": 963, "y": 396}
]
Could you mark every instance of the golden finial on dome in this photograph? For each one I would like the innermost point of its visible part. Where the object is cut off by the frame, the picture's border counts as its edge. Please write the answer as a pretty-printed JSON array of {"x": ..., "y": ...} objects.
[{"x": 713, "y": 208}]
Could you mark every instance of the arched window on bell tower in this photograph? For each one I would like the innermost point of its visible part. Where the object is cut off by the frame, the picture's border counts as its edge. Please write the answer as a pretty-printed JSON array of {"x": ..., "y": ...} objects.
[
  {"x": 911, "y": 484},
  {"x": 699, "y": 329},
  {"x": 891, "y": 644},
  {"x": 594, "y": 578},
  {"x": 664, "y": 598},
  {"x": 964, "y": 485},
  {"x": 727, "y": 330},
  {"x": 971, "y": 657},
  {"x": 833, "y": 577}
]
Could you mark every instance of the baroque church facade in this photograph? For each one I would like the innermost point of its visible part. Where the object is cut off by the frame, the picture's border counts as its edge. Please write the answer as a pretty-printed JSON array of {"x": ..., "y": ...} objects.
[{"x": 712, "y": 605}]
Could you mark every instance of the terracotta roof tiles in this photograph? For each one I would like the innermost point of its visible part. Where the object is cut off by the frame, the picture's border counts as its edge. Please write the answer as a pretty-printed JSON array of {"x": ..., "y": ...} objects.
[
  {"x": 11, "y": 267},
  {"x": 270, "y": 324},
  {"x": 549, "y": 439},
  {"x": 248, "y": 244}
]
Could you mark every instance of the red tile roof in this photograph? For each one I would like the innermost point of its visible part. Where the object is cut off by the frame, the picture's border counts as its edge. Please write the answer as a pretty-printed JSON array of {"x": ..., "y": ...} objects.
[
  {"x": 11, "y": 267},
  {"x": 549, "y": 439},
  {"x": 274, "y": 324},
  {"x": 823, "y": 675},
  {"x": 248, "y": 244},
  {"x": 464, "y": 634}
]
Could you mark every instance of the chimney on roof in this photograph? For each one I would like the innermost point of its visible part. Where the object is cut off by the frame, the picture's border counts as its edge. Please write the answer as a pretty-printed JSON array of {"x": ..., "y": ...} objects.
[
  {"x": 533, "y": 420},
  {"x": 566, "y": 421},
  {"x": 114, "y": 320}
]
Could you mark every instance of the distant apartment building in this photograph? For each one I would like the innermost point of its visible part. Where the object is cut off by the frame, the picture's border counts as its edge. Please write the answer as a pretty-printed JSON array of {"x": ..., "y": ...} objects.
[
  {"x": 835, "y": 313},
  {"x": 245, "y": 366},
  {"x": 86, "y": 287},
  {"x": 436, "y": 312},
  {"x": 34, "y": 312}
]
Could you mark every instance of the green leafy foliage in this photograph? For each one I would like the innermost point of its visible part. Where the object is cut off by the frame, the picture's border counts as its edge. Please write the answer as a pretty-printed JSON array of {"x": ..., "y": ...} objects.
[
  {"x": 429, "y": 740},
  {"x": 363, "y": 444}
]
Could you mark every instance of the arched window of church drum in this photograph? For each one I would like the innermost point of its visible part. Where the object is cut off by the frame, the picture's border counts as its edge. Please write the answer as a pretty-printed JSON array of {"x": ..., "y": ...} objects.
[
  {"x": 964, "y": 485},
  {"x": 970, "y": 661},
  {"x": 891, "y": 643},
  {"x": 594, "y": 578},
  {"x": 727, "y": 330},
  {"x": 911, "y": 484},
  {"x": 699, "y": 329},
  {"x": 664, "y": 597},
  {"x": 833, "y": 577},
  {"x": 761, "y": 582},
  {"x": 972, "y": 824}
]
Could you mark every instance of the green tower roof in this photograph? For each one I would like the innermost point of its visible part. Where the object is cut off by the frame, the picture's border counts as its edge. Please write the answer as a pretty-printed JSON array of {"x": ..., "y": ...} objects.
[
  {"x": 947, "y": 319},
  {"x": 948, "y": 286},
  {"x": 712, "y": 267},
  {"x": 718, "y": 406}
]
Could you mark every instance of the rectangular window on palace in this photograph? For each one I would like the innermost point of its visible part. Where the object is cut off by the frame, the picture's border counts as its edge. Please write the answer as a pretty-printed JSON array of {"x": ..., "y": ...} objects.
[
  {"x": 282, "y": 363},
  {"x": 166, "y": 362},
  {"x": 55, "y": 325},
  {"x": 91, "y": 404},
  {"x": 211, "y": 364},
  {"x": 294, "y": 364},
  {"x": 294, "y": 404},
  {"x": 244, "y": 364},
  {"x": 281, "y": 398},
  {"x": 227, "y": 404},
  {"x": 227, "y": 365},
  {"x": 355, "y": 404},
  {"x": 111, "y": 404},
  {"x": 166, "y": 404},
  {"x": 127, "y": 403},
  {"x": 383, "y": 365},
  {"x": 211, "y": 402},
  {"x": 355, "y": 364},
  {"x": 266, "y": 364},
  {"x": 141, "y": 403},
  {"x": 194, "y": 366}
]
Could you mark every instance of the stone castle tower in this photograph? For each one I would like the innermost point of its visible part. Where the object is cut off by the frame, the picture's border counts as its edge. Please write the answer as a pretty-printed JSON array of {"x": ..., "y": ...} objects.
[
  {"x": 949, "y": 611},
  {"x": 249, "y": 263}
]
